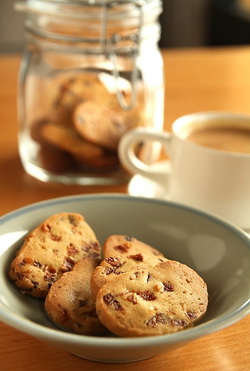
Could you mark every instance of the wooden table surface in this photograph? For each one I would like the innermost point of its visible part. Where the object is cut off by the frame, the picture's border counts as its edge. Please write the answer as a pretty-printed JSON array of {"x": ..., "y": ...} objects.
[{"x": 196, "y": 80}]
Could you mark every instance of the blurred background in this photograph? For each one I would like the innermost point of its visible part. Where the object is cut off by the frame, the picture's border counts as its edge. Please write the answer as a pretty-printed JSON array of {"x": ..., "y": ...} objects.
[{"x": 185, "y": 23}]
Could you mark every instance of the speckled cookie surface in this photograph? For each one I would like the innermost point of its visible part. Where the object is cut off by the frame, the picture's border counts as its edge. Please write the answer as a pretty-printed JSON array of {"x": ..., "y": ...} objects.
[
  {"x": 75, "y": 90},
  {"x": 102, "y": 123},
  {"x": 152, "y": 301},
  {"x": 70, "y": 304},
  {"x": 68, "y": 140},
  {"x": 50, "y": 250},
  {"x": 131, "y": 248},
  {"x": 122, "y": 254}
]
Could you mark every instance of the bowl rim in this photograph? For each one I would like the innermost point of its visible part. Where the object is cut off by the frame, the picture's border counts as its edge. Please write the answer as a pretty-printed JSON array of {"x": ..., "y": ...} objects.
[{"x": 38, "y": 330}]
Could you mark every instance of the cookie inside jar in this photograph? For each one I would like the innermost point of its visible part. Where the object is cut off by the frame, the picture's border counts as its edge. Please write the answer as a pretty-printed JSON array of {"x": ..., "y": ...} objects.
[
  {"x": 91, "y": 72},
  {"x": 80, "y": 129}
]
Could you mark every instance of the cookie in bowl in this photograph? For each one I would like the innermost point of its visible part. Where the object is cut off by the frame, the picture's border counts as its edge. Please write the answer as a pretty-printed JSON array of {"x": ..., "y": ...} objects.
[
  {"x": 51, "y": 249},
  {"x": 151, "y": 301}
]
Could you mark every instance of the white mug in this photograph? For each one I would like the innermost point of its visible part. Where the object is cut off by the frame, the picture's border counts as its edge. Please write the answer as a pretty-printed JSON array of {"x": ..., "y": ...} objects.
[{"x": 211, "y": 179}]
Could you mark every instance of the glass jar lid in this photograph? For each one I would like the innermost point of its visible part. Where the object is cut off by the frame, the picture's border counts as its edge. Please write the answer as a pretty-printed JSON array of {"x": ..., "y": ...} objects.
[
  {"x": 85, "y": 9},
  {"x": 108, "y": 27},
  {"x": 90, "y": 20}
]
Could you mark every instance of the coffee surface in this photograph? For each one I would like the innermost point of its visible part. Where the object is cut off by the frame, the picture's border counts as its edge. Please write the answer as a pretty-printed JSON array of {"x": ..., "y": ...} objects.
[{"x": 225, "y": 139}]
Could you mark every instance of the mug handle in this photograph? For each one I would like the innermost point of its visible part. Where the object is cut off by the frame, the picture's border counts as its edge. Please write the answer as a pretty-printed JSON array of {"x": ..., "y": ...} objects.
[{"x": 131, "y": 162}]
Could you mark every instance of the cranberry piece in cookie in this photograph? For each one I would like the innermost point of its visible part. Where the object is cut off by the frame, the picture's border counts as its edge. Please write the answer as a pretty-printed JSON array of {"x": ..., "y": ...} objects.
[
  {"x": 50, "y": 250},
  {"x": 70, "y": 304},
  {"x": 123, "y": 254},
  {"x": 158, "y": 300}
]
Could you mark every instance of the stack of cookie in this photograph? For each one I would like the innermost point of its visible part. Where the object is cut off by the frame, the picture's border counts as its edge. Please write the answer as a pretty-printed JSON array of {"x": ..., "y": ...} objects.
[
  {"x": 83, "y": 126},
  {"x": 126, "y": 288}
]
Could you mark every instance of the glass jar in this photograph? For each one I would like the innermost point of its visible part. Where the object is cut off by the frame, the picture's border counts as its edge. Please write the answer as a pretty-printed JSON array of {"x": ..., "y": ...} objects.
[{"x": 91, "y": 71}]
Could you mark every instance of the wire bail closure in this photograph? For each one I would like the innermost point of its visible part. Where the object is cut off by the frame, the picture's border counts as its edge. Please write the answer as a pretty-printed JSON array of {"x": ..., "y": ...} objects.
[
  {"x": 110, "y": 46},
  {"x": 109, "y": 43}
]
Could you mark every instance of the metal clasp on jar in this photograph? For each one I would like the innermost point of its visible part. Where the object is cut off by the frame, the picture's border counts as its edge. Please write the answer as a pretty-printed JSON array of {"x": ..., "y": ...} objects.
[{"x": 111, "y": 44}]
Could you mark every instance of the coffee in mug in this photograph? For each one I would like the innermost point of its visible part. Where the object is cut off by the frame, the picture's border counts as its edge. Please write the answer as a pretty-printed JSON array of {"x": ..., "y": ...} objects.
[
  {"x": 209, "y": 162},
  {"x": 231, "y": 139}
]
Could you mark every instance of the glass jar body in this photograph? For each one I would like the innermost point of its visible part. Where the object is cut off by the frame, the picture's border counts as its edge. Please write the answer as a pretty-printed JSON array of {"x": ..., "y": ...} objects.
[{"x": 76, "y": 102}]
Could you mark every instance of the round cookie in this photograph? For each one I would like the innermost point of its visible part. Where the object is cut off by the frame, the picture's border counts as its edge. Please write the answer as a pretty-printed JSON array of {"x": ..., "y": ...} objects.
[
  {"x": 127, "y": 246},
  {"x": 102, "y": 123},
  {"x": 51, "y": 249},
  {"x": 123, "y": 254},
  {"x": 73, "y": 91},
  {"x": 154, "y": 301},
  {"x": 70, "y": 304},
  {"x": 84, "y": 152}
]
